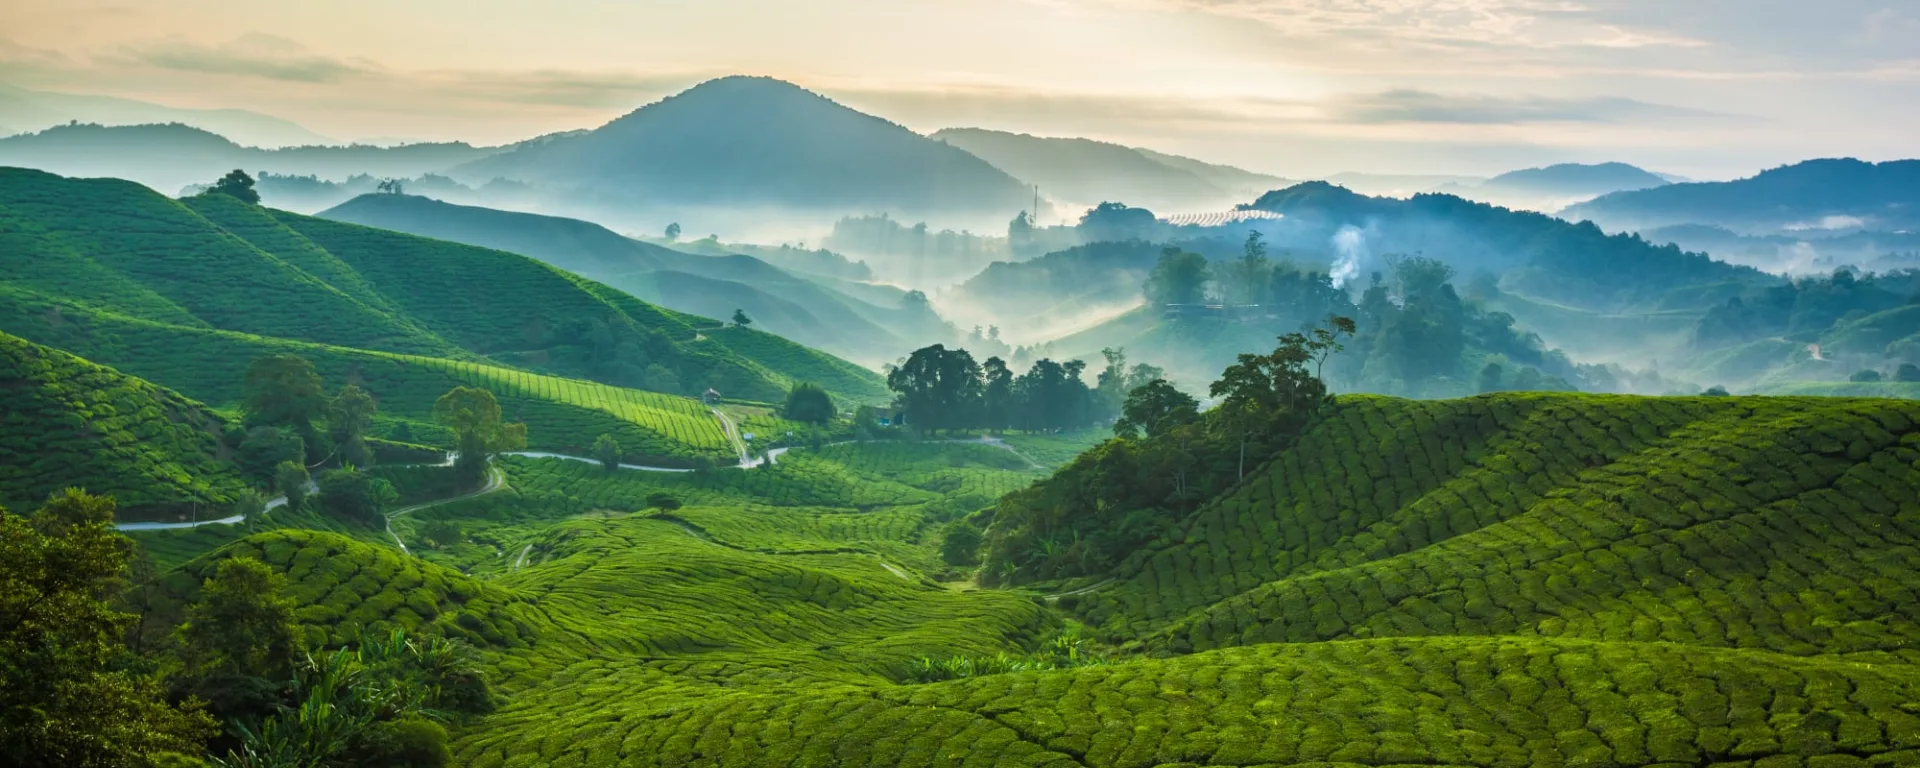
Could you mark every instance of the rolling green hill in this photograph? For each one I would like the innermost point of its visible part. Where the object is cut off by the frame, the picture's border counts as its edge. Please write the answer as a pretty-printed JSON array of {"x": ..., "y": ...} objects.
[
  {"x": 1601, "y": 518},
  {"x": 210, "y": 261},
  {"x": 65, "y": 422},
  {"x": 811, "y": 312}
]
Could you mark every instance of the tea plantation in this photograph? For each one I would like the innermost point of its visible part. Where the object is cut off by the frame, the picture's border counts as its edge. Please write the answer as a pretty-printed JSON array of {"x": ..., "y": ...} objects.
[
  {"x": 1510, "y": 580},
  {"x": 65, "y": 422},
  {"x": 213, "y": 262}
]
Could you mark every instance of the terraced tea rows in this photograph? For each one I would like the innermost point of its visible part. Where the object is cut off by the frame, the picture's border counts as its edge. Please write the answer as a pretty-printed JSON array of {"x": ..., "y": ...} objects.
[
  {"x": 210, "y": 365},
  {"x": 65, "y": 422},
  {"x": 1789, "y": 525}
]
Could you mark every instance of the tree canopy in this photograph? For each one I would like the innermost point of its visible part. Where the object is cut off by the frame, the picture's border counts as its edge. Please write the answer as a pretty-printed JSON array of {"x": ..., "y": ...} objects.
[{"x": 237, "y": 184}]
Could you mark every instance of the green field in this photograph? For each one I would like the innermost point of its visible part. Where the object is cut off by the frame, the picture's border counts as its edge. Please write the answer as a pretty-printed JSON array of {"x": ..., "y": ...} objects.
[{"x": 1511, "y": 580}]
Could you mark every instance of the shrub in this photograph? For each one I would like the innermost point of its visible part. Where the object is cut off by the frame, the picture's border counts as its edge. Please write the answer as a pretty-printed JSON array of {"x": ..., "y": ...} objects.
[{"x": 961, "y": 545}]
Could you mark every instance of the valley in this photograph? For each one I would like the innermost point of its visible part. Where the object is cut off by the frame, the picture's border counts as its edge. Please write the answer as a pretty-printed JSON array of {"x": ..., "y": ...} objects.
[{"x": 933, "y": 423}]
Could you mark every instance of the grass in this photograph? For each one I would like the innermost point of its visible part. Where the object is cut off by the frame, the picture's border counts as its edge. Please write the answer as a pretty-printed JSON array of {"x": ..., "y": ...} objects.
[{"x": 65, "y": 422}]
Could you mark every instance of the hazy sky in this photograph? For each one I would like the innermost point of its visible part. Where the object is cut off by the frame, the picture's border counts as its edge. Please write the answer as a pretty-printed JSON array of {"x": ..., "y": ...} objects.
[{"x": 1713, "y": 88}]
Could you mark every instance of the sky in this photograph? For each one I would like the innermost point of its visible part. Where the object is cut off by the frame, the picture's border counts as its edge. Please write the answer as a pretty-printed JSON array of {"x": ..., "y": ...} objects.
[{"x": 1704, "y": 88}]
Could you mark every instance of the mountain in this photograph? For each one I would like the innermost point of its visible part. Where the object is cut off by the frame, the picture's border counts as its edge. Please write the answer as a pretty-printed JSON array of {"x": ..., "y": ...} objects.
[
  {"x": 65, "y": 422},
  {"x": 28, "y": 110},
  {"x": 174, "y": 156},
  {"x": 1838, "y": 194},
  {"x": 1575, "y": 180},
  {"x": 759, "y": 143},
  {"x": 807, "y": 311},
  {"x": 1083, "y": 172}
]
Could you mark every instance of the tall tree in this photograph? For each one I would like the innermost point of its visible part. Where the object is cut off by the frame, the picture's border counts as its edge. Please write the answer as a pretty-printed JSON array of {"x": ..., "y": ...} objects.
[
  {"x": 240, "y": 640},
  {"x": 349, "y": 419},
  {"x": 474, "y": 416},
  {"x": 285, "y": 391},
  {"x": 740, "y": 318},
  {"x": 1154, "y": 409},
  {"x": 67, "y": 697},
  {"x": 1261, "y": 395},
  {"x": 673, "y": 231},
  {"x": 291, "y": 478},
  {"x": 1251, "y": 273},
  {"x": 1179, "y": 278},
  {"x": 938, "y": 388},
  {"x": 997, "y": 403}
]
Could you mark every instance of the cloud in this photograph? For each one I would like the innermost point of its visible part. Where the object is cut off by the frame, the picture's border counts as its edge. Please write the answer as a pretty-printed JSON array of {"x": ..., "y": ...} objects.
[
  {"x": 254, "y": 55},
  {"x": 1414, "y": 106}
]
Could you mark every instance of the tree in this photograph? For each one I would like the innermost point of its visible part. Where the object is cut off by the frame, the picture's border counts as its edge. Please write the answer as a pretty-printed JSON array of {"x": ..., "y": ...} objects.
[
  {"x": 283, "y": 391},
  {"x": 291, "y": 478},
  {"x": 1155, "y": 409},
  {"x": 938, "y": 388},
  {"x": 1251, "y": 273},
  {"x": 961, "y": 545},
  {"x": 1264, "y": 395},
  {"x": 1179, "y": 278},
  {"x": 350, "y": 494},
  {"x": 1865, "y": 375},
  {"x": 1020, "y": 234},
  {"x": 1115, "y": 222},
  {"x": 808, "y": 403},
  {"x": 607, "y": 450},
  {"x": 67, "y": 697},
  {"x": 663, "y": 501},
  {"x": 264, "y": 449},
  {"x": 391, "y": 187},
  {"x": 740, "y": 318},
  {"x": 240, "y": 640},
  {"x": 349, "y": 419},
  {"x": 236, "y": 184},
  {"x": 474, "y": 416},
  {"x": 673, "y": 232},
  {"x": 996, "y": 401}
]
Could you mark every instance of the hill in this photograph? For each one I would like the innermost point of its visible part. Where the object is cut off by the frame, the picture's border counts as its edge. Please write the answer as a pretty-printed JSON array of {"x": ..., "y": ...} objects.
[
  {"x": 1575, "y": 180},
  {"x": 29, "y": 110},
  {"x": 1798, "y": 253},
  {"x": 1534, "y": 254},
  {"x": 1835, "y": 194},
  {"x": 172, "y": 156},
  {"x": 211, "y": 261},
  {"x": 1504, "y": 580},
  {"x": 65, "y": 422},
  {"x": 1084, "y": 172},
  {"x": 745, "y": 142},
  {"x": 1606, "y": 519},
  {"x": 806, "y": 311}
]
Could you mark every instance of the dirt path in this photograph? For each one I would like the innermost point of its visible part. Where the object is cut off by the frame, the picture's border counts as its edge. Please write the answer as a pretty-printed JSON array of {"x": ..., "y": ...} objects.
[{"x": 1081, "y": 591}]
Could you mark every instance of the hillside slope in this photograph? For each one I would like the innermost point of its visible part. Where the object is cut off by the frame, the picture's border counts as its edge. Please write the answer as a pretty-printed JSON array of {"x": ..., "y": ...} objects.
[
  {"x": 1084, "y": 172},
  {"x": 750, "y": 142},
  {"x": 211, "y": 261},
  {"x": 1783, "y": 525},
  {"x": 65, "y": 422},
  {"x": 1839, "y": 194},
  {"x": 803, "y": 310}
]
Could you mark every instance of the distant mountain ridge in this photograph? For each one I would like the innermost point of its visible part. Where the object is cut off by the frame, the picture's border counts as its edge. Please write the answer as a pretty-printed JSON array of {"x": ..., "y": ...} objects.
[
  {"x": 30, "y": 110},
  {"x": 1086, "y": 172},
  {"x": 748, "y": 142},
  {"x": 1577, "y": 179},
  {"x": 1834, "y": 194},
  {"x": 172, "y": 156}
]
